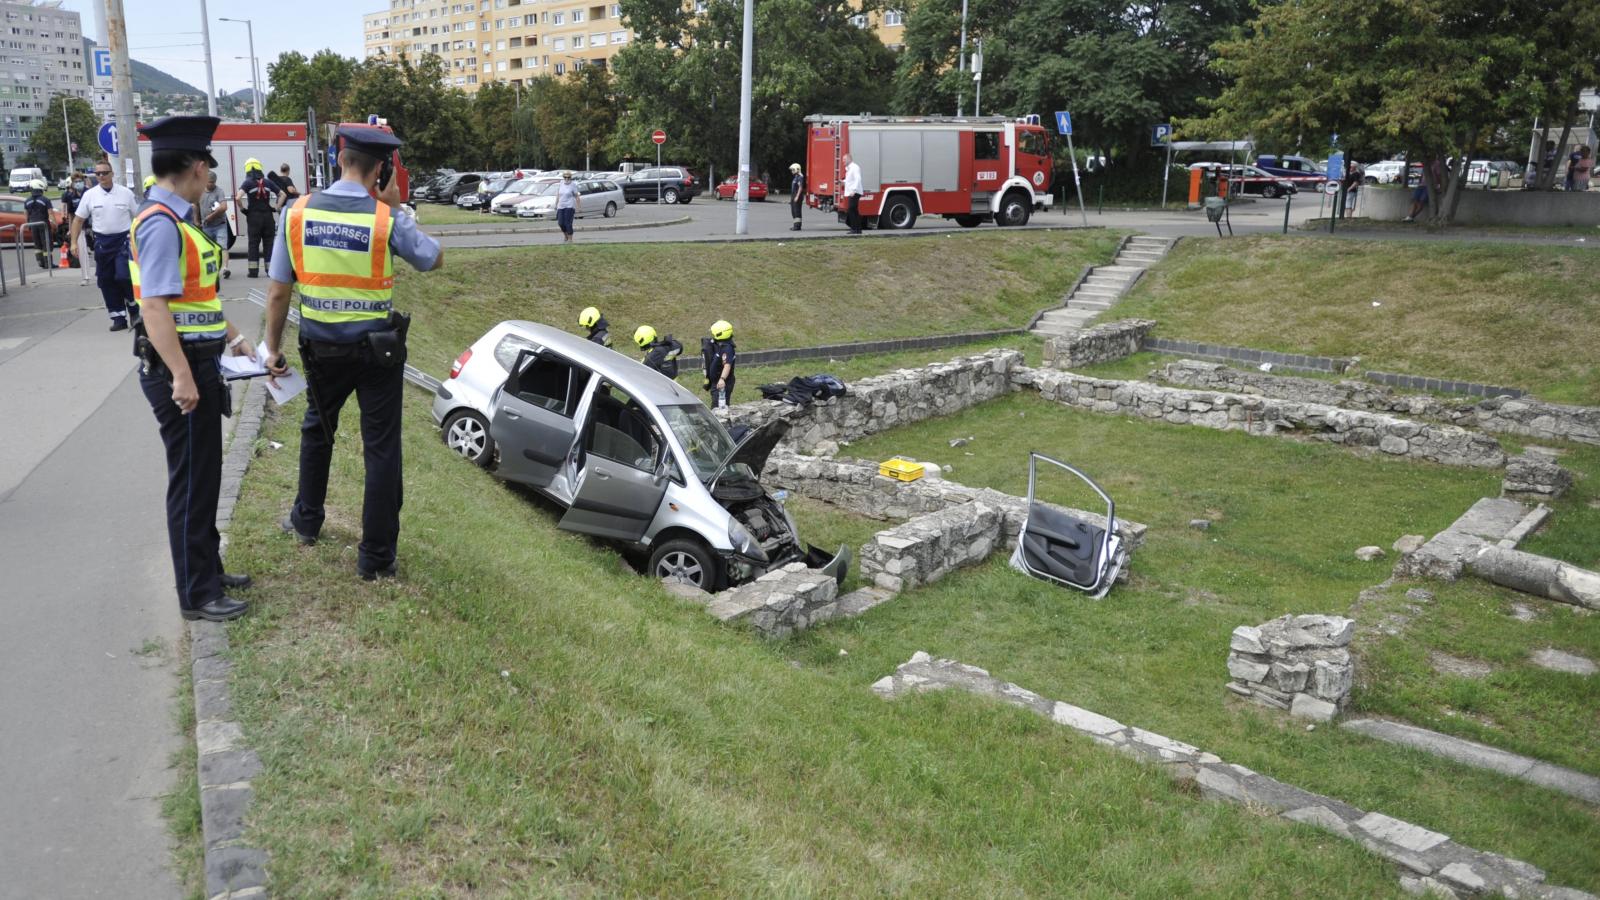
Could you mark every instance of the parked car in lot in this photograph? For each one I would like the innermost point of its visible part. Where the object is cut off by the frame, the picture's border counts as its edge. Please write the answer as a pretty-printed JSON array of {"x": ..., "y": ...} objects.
[
  {"x": 596, "y": 198},
  {"x": 447, "y": 188},
  {"x": 1304, "y": 173},
  {"x": 12, "y": 213},
  {"x": 729, "y": 189},
  {"x": 422, "y": 186},
  {"x": 504, "y": 205},
  {"x": 628, "y": 454},
  {"x": 1251, "y": 179},
  {"x": 480, "y": 198},
  {"x": 1387, "y": 172},
  {"x": 674, "y": 184}
]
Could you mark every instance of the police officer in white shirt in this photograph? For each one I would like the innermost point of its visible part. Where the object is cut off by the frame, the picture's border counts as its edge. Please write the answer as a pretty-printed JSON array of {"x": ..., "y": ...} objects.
[
  {"x": 852, "y": 194},
  {"x": 112, "y": 207}
]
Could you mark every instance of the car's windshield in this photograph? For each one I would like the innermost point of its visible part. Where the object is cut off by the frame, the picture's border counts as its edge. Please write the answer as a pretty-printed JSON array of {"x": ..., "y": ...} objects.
[
  {"x": 498, "y": 185},
  {"x": 534, "y": 188},
  {"x": 703, "y": 438},
  {"x": 546, "y": 190},
  {"x": 517, "y": 187}
]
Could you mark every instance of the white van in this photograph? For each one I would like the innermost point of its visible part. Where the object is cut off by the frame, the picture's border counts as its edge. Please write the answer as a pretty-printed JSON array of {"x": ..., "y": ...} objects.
[{"x": 21, "y": 178}]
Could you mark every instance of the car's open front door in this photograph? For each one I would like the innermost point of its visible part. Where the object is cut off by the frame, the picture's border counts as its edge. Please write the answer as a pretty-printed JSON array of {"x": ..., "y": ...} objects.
[
  {"x": 531, "y": 417},
  {"x": 623, "y": 469},
  {"x": 1056, "y": 546}
]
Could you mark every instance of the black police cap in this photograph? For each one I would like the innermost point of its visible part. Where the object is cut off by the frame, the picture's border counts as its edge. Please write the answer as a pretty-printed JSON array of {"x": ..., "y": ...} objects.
[
  {"x": 190, "y": 133},
  {"x": 371, "y": 140}
]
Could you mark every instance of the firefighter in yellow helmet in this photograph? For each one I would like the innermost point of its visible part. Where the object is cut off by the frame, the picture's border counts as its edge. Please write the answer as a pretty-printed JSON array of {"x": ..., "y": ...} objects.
[
  {"x": 720, "y": 358},
  {"x": 660, "y": 353},
  {"x": 599, "y": 328},
  {"x": 149, "y": 182},
  {"x": 259, "y": 197}
]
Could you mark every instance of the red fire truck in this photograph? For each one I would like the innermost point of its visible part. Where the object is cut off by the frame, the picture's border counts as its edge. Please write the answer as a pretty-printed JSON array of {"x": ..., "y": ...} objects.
[{"x": 971, "y": 169}]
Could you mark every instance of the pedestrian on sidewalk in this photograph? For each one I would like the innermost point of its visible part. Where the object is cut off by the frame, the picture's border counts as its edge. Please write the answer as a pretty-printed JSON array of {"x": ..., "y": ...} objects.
[
  {"x": 181, "y": 335},
  {"x": 1582, "y": 167},
  {"x": 568, "y": 202},
  {"x": 852, "y": 194},
  {"x": 339, "y": 246},
  {"x": 214, "y": 218},
  {"x": 111, "y": 208},
  {"x": 797, "y": 194}
]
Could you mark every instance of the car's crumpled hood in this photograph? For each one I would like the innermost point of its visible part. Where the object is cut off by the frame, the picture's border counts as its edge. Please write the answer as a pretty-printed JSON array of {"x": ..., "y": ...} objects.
[{"x": 754, "y": 449}]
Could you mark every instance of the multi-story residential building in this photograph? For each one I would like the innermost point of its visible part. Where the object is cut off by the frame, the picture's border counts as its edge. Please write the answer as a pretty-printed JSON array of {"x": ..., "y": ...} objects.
[
  {"x": 41, "y": 55},
  {"x": 515, "y": 40}
]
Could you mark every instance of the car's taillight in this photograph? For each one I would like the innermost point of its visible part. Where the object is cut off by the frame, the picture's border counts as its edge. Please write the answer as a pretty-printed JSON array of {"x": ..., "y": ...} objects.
[{"x": 461, "y": 361}]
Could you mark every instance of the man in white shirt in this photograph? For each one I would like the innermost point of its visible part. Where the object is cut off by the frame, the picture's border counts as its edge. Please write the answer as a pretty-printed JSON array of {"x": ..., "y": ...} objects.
[
  {"x": 112, "y": 208},
  {"x": 852, "y": 194}
]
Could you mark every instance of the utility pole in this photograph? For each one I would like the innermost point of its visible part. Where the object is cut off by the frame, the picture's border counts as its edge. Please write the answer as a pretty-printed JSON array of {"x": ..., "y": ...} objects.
[
  {"x": 977, "y": 79},
  {"x": 122, "y": 86},
  {"x": 961, "y": 61},
  {"x": 66, "y": 124},
  {"x": 205, "y": 40},
  {"x": 741, "y": 224},
  {"x": 255, "y": 70}
]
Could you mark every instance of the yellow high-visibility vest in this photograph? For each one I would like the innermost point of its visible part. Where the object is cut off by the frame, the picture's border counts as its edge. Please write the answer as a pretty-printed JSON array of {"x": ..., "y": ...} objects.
[
  {"x": 345, "y": 270},
  {"x": 197, "y": 312}
]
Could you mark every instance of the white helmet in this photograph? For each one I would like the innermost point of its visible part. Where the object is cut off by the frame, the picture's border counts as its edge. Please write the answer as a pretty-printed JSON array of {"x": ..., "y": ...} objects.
[{"x": 36, "y": 184}]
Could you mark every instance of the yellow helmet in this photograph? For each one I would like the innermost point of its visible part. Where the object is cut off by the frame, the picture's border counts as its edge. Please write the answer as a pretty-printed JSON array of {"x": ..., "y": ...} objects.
[
  {"x": 721, "y": 329},
  {"x": 643, "y": 336},
  {"x": 149, "y": 182},
  {"x": 589, "y": 316},
  {"x": 252, "y": 163}
]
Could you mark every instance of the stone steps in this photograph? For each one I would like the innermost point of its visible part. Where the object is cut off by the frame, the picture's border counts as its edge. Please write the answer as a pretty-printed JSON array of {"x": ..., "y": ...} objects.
[{"x": 1103, "y": 286}]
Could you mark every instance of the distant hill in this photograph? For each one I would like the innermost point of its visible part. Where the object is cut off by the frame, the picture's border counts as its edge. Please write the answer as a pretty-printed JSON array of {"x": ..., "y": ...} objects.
[
  {"x": 148, "y": 79},
  {"x": 247, "y": 95}
]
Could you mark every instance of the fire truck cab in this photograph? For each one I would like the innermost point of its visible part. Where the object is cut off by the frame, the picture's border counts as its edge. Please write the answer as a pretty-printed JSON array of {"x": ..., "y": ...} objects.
[{"x": 970, "y": 169}]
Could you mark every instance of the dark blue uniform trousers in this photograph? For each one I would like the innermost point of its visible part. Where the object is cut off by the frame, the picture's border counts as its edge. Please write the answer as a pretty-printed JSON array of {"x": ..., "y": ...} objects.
[
  {"x": 379, "y": 391},
  {"x": 111, "y": 275},
  {"x": 194, "y": 479}
]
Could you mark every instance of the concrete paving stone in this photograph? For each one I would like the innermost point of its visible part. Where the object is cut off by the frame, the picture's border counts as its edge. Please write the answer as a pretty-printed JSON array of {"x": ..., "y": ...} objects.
[
  {"x": 1402, "y": 834},
  {"x": 207, "y": 639},
  {"x": 228, "y": 767},
  {"x": 230, "y": 869},
  {"x": 1463, "y": 751},
  {"x": 216, "y": 737},
  {"x": 1575, "y": 784},
  {"x": 212, "y": 702},
  {"x": 212, "y": 668},
  {"x": 1083, "y": 720},
  {"x": 1321, "y": 817},
  {"x": 222, "y": 812},
  {"x": 1562, "y": 661}
]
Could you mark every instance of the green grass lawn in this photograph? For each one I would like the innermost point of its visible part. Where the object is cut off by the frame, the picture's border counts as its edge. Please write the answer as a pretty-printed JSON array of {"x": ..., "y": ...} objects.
[
  {"x": 799, "y": 294},
  {"x": 1523, "y": 316}
]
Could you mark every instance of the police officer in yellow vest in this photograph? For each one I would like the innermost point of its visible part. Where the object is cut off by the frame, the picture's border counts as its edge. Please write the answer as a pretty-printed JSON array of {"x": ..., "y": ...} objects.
[
  {"x": 339, "y": 245},
  {"x": 180, "y": 335}
]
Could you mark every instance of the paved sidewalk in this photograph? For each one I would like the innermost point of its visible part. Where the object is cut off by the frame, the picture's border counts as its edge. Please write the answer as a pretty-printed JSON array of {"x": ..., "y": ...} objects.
[{"x": 89, "y": 630}]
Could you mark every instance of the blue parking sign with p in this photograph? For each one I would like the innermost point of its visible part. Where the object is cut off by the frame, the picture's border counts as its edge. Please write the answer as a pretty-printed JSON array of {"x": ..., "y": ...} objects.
[
  {"x": 1064, "y": 122},
  {"x": 1160, "y": 134},
  {"x": 102, "y": 63}
]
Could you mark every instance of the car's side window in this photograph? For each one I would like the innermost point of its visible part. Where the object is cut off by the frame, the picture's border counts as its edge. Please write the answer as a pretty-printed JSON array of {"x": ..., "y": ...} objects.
[
  {"x": 505, "y": 352},
  {"x": 620, "y": 430},
  {"x": 550, "y": 382},
  {"x": 986, "y": 145}
]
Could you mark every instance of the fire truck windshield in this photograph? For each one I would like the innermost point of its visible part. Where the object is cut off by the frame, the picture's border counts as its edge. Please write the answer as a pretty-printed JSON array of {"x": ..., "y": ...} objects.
[{"x": 1034, "y": 143}]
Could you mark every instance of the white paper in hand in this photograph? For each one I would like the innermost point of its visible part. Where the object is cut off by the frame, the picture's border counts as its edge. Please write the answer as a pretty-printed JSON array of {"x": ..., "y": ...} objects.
[
  {"x": 236, "y": 367},
  {"x": 287, "y": 387}
]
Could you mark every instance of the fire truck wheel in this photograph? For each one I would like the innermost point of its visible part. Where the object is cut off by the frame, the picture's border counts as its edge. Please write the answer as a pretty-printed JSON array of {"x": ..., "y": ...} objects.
[
  {"x": 969, "y": 221},
  {"x": 1014, "y": 210},
  {"x": 899, "y": 213}
]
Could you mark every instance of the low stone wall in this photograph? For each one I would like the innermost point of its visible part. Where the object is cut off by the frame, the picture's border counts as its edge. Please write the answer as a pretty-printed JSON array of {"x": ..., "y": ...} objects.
[
  {"x": 1297, "y": 663},
  {"x": 1255, "y": 414},
  {"x": 887, "y": 401},
  {"x": 1107, "y": 342},
  {"x": 1535, "y": 475},
  {"x": 929, "y": 547},
  {"x": 1480, "y": 207},
  {"x": 780, "y": 602},
  {"x": 1503, "y": 415}
]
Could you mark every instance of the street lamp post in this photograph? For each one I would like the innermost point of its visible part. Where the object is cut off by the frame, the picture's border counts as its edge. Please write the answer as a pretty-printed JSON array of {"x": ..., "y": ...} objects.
[
  {"x": 66, "y": 125},
  {"x": 741, "y": 224},
  {"x": 961, "y": 59},
  {"x": 255, "y": 69},
  {"x": 977, "y": 78}
]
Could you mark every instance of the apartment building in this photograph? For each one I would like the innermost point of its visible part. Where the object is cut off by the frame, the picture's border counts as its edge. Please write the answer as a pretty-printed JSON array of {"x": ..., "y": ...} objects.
[
  {"x": 515, "y": 40},
  {"x": 41, "y": 55}
]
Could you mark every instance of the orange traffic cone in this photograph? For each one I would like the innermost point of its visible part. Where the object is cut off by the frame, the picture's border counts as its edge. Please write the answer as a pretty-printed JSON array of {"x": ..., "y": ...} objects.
[{"x": 66, "y": 261}]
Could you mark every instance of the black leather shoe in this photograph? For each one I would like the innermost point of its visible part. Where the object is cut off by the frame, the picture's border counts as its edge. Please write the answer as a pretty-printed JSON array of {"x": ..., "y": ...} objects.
[
  {"x": 388, "y": 571},
  {"x": 287, "y": 524},
  {"x": 237, "y": 582},
  {"x": 119, "y": 324},
  {"x": 222, "y": 609}
]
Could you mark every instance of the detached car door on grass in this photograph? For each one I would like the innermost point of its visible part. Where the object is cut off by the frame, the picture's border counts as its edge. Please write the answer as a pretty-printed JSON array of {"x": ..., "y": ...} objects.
[
  {"x": 622, "y": 469},
  {"x": 532, "y": 417}
]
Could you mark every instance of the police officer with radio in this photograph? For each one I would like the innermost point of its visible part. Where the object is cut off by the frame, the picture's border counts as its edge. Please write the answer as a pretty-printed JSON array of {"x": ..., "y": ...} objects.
[
  {"x": 181, "y": 332},
  {"x": 339, "y": 246}
]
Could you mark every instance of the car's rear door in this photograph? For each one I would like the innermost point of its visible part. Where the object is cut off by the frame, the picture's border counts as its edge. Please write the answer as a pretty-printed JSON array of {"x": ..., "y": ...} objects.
[
  {"x": 620, "y": 480},
  {"x": 531, "y": 416}
]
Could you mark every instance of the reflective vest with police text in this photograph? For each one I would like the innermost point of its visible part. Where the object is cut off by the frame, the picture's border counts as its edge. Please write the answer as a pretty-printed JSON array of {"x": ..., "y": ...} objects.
[
  {"x": 344, "y": 267},
  {"x": 197, "y": 312}
]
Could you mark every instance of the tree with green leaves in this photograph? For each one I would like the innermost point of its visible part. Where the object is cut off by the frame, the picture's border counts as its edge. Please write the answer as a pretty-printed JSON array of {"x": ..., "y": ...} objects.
[
  {"x": 681, "y": 75},
  {"x": 432, "y": 118},
  {"x": 574, "y": 116},
  {"x": 49, "y": 142},
  {"x": 319, "y": 84}
]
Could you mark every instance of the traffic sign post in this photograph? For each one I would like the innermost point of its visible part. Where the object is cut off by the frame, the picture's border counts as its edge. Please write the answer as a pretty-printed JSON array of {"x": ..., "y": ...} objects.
[
  {"x": 1064, "y": 125},
  {"x": 659, "y": 137},
  {"x": 108, "y": 138},
  {"x": 1161, "y": 136},
  {"x": 1335, "y": 173}
]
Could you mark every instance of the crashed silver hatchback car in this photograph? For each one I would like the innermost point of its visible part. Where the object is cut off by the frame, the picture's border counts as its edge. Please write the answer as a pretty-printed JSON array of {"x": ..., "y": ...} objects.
[{"x": 629, "y": 454}]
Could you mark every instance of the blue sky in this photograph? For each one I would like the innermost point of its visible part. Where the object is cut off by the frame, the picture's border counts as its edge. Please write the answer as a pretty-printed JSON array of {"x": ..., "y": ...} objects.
[{"x": 166, "y": 33}]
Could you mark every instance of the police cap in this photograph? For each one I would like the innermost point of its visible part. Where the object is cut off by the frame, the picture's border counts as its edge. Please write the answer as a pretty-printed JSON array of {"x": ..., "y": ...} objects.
[
  {"x": 372, "y": 141},
  {"x": 189, "y": 133}
]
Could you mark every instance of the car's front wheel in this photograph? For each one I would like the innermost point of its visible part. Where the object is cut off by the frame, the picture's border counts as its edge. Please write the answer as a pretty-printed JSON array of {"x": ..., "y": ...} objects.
[
  {"x": 689, "y": 561},
  {"x": 1270, "y": 192},
  {"x": 611, "y": 209},
  {"x": 467, "y": 433}
]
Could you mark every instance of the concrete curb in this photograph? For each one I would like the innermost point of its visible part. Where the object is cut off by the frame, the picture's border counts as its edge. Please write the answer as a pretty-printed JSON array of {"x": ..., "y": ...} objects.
[
  {"x": 226, "y": 765},
  {"x": 472, "y": 230}
]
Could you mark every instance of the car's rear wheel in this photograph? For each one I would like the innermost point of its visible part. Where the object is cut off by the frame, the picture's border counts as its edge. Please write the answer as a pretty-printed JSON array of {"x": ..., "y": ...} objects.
[
  {"x": 467, "y": 433},
  {"x": 669, "y": 195},
  {"x": 686, "y": 560},
  {"x": 611, "y": 209},
  {"x": 1270, "y": 191}
]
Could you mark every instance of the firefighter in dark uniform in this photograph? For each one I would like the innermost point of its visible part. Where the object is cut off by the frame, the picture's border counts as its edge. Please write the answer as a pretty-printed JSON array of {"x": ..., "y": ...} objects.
[
  {"x": 797, "y": 194},
  {"x": 660, "y": 353},
  {"x": 599, "y": 328},
  {"x": 180, "y": 333},
  {"x": 37, "y": 210},
  {"x": 720, "y": 358},
  {"x": 339, "y": 246},
  {"x": 258, "y": 197}
]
